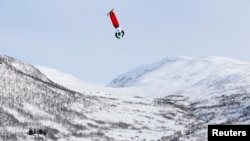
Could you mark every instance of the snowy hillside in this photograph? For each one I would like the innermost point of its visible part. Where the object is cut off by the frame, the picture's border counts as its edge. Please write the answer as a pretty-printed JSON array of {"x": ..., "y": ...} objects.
[
  {"x": 187, "y": 70},
  {"x": 216, "y": 88},
  {"x": 178, "y": 74},
  {"x": 68, "y": 80},
  {"x": 212, "y": 90},
  {"x": 173, "y": 99},
  {"x": 30, "y": 102}
]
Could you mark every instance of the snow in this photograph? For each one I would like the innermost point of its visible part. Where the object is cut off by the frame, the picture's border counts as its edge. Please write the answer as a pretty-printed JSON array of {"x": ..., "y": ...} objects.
[
  {"x": 196, "y": 79},
  {"x": 130, "y": 108},
  {"x": 15, "y": 113},
  {"x": 35, "y": 111},
  {"x": 68, "y": 80},
  {"x": 54, "y": 125},
  {"x": 184, "y": 74}
]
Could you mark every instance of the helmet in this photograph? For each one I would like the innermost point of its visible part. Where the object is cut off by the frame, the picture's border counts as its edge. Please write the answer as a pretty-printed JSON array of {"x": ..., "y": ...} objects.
[{"x": 119, "y": 34}]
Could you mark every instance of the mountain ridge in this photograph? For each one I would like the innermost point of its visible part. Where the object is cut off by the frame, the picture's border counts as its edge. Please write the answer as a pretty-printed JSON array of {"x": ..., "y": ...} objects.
[
  {"x": 168, "y": 102},
  {"x": 131, "y": 77}
]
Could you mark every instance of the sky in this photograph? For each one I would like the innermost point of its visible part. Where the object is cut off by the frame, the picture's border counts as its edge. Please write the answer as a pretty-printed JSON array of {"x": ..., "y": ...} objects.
[{"x": 77, "y": 37}]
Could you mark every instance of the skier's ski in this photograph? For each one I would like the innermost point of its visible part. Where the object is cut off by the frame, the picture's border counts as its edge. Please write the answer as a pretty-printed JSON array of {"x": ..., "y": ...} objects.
[{"x": 110, "y": 12}]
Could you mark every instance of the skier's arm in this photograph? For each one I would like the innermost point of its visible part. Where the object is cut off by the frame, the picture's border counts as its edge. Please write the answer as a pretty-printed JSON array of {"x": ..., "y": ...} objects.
[
  {"x": 116, "y": 36},
  {"x": 123, "y": 33}
]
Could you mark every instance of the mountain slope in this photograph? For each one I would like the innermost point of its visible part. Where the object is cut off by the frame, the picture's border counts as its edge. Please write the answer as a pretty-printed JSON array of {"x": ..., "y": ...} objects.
[
  {"x": 173, "y": 69},
  {"x": 68, "y": 80},
  {"x": 179, "y": 74},
  {"x": 210, "y": 90},
  {"x": 174, "y": 99},
  {"x": 217, "y": 89},
  {"x": 30, "y": 100}
]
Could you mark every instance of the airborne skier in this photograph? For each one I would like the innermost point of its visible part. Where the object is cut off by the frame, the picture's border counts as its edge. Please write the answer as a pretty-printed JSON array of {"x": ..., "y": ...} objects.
[{"x": 119, "y": 32}]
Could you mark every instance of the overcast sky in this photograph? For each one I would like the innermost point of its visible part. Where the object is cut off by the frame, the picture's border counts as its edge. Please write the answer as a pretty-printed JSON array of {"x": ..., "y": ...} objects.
[{"x": 77, "y": 37}]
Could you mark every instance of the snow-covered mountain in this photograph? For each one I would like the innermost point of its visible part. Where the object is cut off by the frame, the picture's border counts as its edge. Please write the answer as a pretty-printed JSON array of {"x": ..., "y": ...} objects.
[
  {"x": 32, "y": 102},
  {"x": 173, "y": 99},
  {"x": 188, "y": 71},
  {"x": 179, "y": 75},
  {"x": 69, "y": 81},
  {"x": 28, "y": 99},
  {"x": 217, "y": 89}
]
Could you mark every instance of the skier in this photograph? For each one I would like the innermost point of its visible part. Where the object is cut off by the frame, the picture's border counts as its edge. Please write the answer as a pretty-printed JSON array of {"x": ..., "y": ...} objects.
[{"x": 119, "y": 32}]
